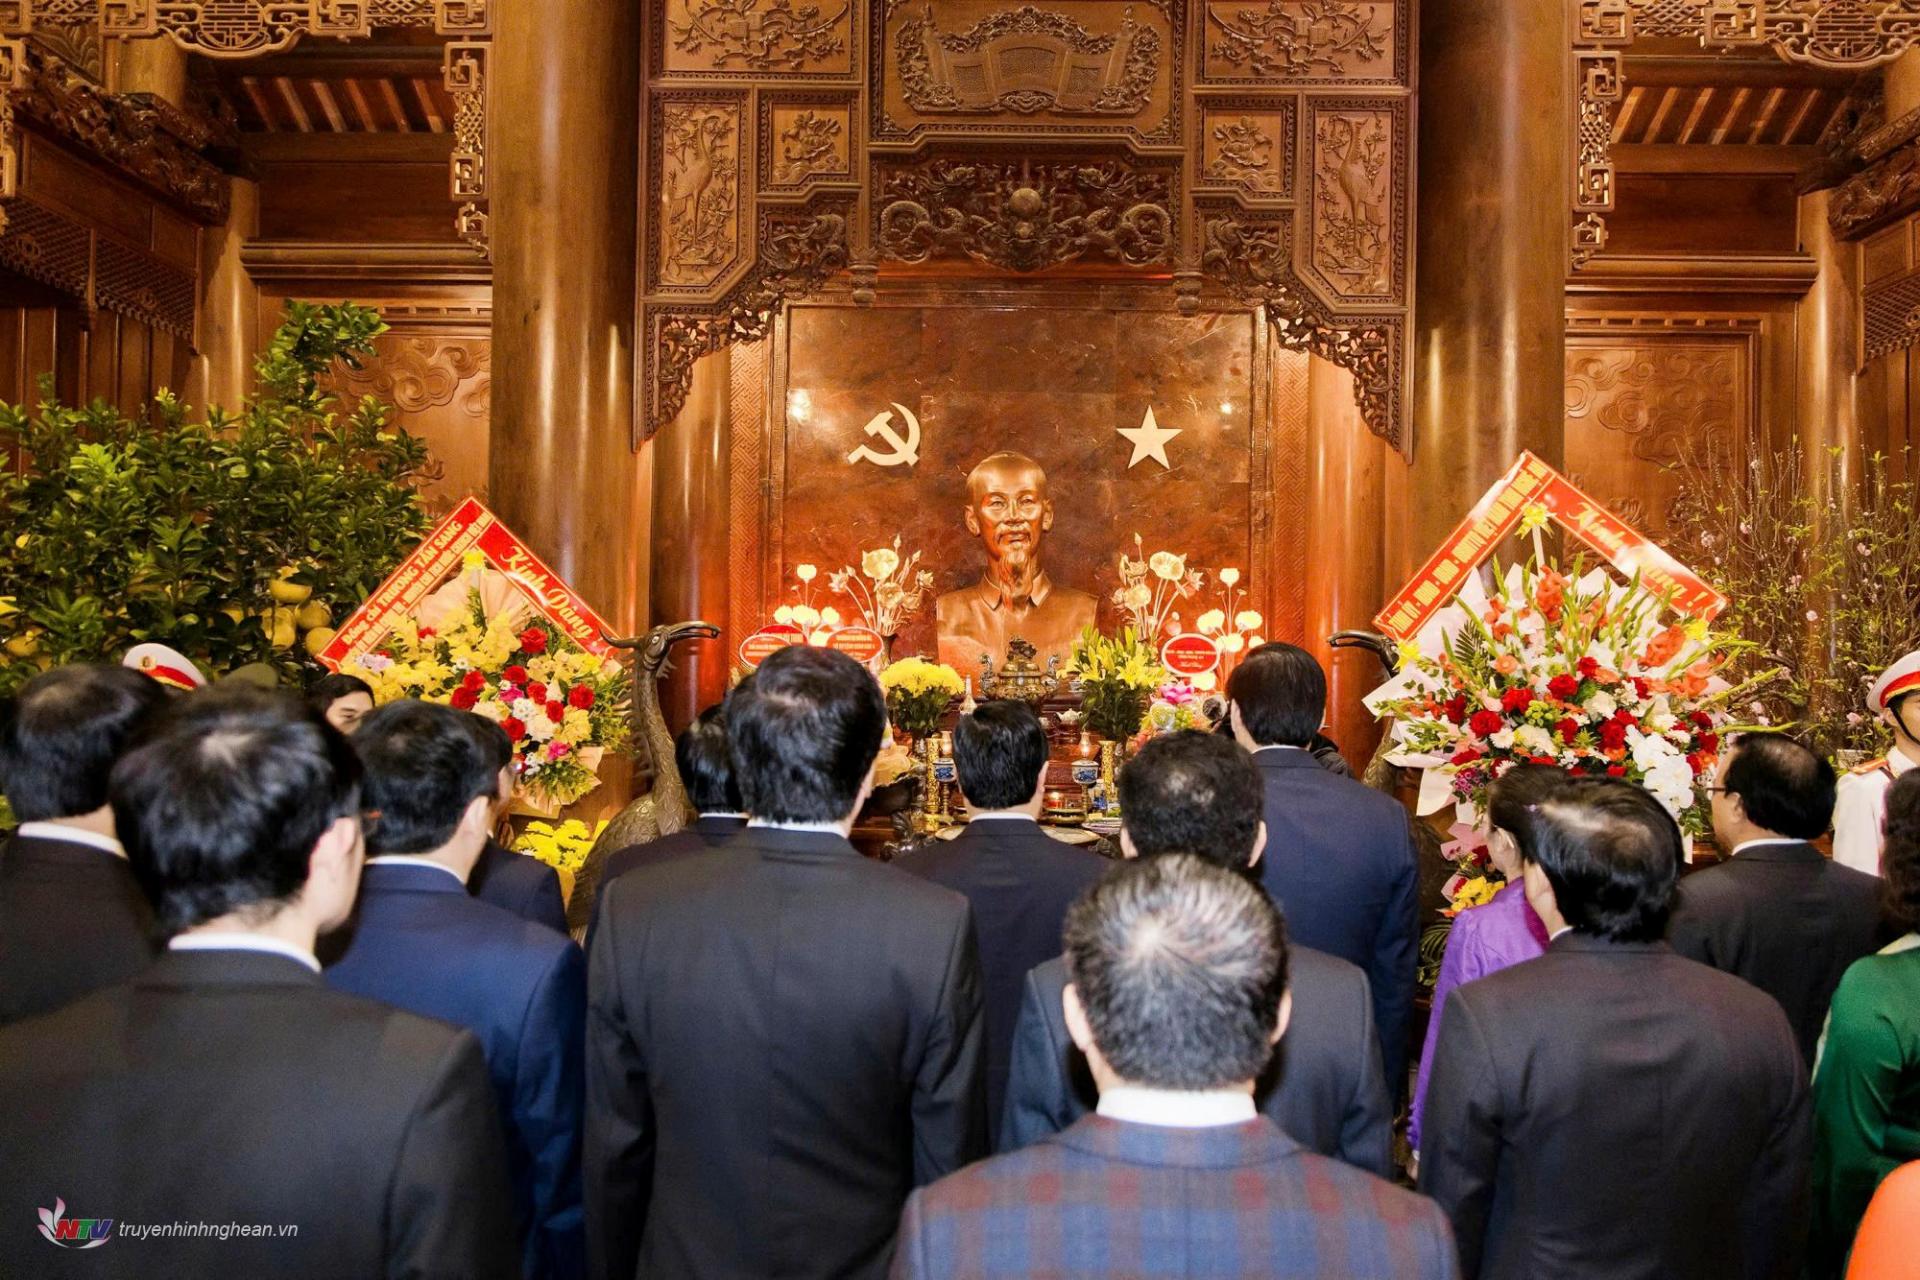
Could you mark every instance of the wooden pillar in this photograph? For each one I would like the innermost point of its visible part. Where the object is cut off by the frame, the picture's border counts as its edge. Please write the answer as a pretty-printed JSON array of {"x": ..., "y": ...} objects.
[
  {"x": 691, "y": 501},
  {"x": 229, "y": 315},
  {"x": 1489, "y": 318},
  {"x": 564, "y": 151},
  {"x": 1828, "y": 407},
  {"x": 1345, "y": 551}
]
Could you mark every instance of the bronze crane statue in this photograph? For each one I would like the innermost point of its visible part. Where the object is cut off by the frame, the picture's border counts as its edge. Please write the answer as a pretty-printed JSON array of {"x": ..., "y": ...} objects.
[{"x": 664, "y": 809}]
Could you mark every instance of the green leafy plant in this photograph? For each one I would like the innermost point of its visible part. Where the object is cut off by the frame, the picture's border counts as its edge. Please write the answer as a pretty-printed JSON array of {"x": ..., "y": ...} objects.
[
  {"x": 228, "y": 537},
  {"x": 1118, "y": 676},
  {"x": 1825, "y": 591}
]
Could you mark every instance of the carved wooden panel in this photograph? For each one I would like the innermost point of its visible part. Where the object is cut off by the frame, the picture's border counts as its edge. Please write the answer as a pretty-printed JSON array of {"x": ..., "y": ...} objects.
[
  {"x": 1239, "y": 154},
  {"x": 1063, "y": 65},
  {"x": 699, "y": 159},
  {"x": 1639, "y": 402},
  {"x": 1307, "y": 41},
  {"x": 756, "y": 37},
  {"x": 804, "y": 137},
  {"x": 1248, "y": 145},
  {"x": 440, "y": 385},
  {"x": 1358, "y": 225},
  {"x": 1025, "y": 215}
]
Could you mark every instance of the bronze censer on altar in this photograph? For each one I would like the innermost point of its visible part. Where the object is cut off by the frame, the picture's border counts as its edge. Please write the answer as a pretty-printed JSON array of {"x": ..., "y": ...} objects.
[{"x": 1020, "y": 677}]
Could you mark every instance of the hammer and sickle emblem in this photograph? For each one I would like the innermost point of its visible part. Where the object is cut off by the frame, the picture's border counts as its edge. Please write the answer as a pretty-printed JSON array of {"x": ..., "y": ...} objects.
[{"x": 905, "y": 452}]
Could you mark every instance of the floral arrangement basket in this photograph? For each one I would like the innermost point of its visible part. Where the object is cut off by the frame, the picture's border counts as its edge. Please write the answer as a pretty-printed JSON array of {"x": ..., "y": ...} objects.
[
  {"x": 562, "y": 707},
  {"x": 1583, "y": 672}
]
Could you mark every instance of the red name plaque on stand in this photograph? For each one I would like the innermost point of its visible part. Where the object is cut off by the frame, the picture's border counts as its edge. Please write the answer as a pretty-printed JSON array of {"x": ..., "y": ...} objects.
[
  {"x": 862, "y": 644},
  {"x": 767, "y": 641},
  {"x": 1190, "y": 654},
  {"x": 440, "y": 556}
]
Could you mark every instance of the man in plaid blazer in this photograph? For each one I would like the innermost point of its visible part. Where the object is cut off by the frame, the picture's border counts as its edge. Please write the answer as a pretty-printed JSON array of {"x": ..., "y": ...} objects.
[{"x": 1179, "y": 994}]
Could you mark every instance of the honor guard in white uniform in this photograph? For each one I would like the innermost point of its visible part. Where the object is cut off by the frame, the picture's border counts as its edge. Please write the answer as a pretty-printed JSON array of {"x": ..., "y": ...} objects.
[{"x": 1862, "y": 802}]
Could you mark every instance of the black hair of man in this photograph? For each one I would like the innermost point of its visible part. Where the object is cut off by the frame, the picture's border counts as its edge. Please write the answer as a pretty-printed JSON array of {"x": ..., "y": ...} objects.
[
  {"x": 1514, "y": 799},
  {"x": 1612, "y": 854},
  {"x": 425, "y": 764},
  {"x": 61, "y": 734},
  {"x": 701, "y": 754},
  {"x": 1281, "y": 693},
  {"x": 1900, "y": 858},
  {"x": 1180, "y": 965},
  {"x": 804, "y": 736},
  {"x": 221, "y": 807},
  {"x": 498, "y": 745},
  {"x": 998, "y": 752},
  {"x": 1784, "y": 787},
  {"x": 329, "y": 689},
  {"x": 1193, "y": 792}
]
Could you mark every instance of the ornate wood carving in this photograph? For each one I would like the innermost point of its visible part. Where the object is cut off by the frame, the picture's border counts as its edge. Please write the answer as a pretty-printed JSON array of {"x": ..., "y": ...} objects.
[
  {"x": 1358, "y": 228},
  {"x": 804, "y": 137},
  {"x": 1026, "y": 60},
  {"x": 756, "y": 37},
  {"x": 1640, "y": 399},
  {"x": 1297, "y": 39},
  {"x": 1098, "y": 138},
  {"x": 249, "y": 28},
  {"x": 1060, "y": 67},
  {"x": 1596, "y": 98},
  {"x": 760, "y": 35},
  {"x": 1025, "y": 216},
  {"x": 1248, "y": 149},
  {"x": 1254, "y": 258},
  {"x": 140, "y": 136},
  {"x": 799, "y": 250},
  {"x": 417, "y": 374},
  {"x": 1890, "y": 315},
  {"x": 1877, "y": 194},
  {"x": 1845, "y": 35},
  {"x": 699, "y": 158}
]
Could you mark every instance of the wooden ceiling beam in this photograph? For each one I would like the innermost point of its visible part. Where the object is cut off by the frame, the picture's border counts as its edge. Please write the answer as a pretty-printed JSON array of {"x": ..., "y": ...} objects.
[
  {"x": 1741, "y": 96},
  {"x": 1769, "y": 105},
  {"x": 1668, "y": 157},
  {"x": 365, "y": 120},
  {"x": 1700, "y": 105},
  {"x": 1729, "y": 73}
]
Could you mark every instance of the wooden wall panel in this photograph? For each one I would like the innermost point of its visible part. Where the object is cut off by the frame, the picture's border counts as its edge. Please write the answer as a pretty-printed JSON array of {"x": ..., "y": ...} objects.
[
  {"x": 112, "y": 358},
  {"x": 435, "y": 367},
  {"x": 1641, "y": 401}
]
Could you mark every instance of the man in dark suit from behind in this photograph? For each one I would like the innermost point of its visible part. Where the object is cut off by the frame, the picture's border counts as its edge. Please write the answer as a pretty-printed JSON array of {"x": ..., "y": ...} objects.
[
  {"x": 1179, "y": 994},
  {"x": 72, "y": 917},
  {"x": 1198, "y": 793},
  {"x": 1610, "y": 1108},
  {"x": 1340, "y": 858},
  {"x": 783, "y": 1039},
  {"x": 527, "y": 887},
  {"x": 700, "y": 753},
  {"x": 1778, "y": 913},
  {"x": 226, "y": 1084},
  {"x": 1019, "y": 879},
  {"x": 419, "y": 943}
]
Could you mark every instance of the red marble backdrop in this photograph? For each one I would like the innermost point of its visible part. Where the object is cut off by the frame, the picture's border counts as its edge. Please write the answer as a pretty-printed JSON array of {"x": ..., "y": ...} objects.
[{"x": 1056, "y": 384}]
